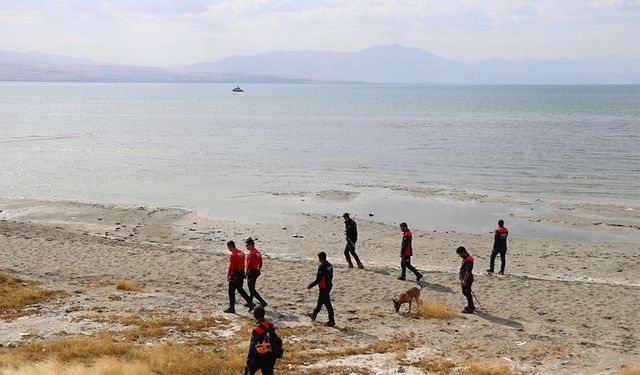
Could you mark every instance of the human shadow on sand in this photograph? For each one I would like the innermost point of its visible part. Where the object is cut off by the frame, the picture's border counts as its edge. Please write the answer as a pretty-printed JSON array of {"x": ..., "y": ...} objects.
[
  {"x": 502, "y": 321},
  {"x": 435, "y": 287}
]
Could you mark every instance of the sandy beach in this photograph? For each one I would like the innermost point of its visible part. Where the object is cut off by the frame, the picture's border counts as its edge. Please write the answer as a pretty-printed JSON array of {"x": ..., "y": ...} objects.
[{"x": 563, "y": 307}]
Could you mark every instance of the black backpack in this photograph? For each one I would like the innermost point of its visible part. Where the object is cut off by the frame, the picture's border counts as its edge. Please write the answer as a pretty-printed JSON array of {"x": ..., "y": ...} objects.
[{"x": 270, "y": 342}]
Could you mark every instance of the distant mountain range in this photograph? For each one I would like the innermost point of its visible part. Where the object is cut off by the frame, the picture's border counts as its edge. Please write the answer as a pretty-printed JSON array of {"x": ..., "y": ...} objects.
[{"x": 384, "y": 64}]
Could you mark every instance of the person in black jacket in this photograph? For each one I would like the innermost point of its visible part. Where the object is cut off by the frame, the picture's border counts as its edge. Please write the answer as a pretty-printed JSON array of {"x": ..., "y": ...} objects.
[
  {"x": 351, "y": 233},
  {"x": 256, "y": 361},
  {"x": 324, "y": 280},
  {"x": 499, "y": 247}
]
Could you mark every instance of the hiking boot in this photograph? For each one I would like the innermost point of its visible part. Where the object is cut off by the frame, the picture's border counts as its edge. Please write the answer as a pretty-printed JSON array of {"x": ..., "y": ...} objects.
[
  {"x": 253, "y": 306},
  {"x": 330, "y": 323},
  {"x": 247, "y": 304},
  {"x": 501, "y": 273},
  {"x": 490, "y": 270},
  {"x": 230, "y": 310},
  {"x": 402, "y": 278},
  {"x": 350, "y": 265},
  {"x": 361, "y": 266},
  {"x": 419, "y": 277},
  {"x": 467, "y": 310},
  {"x": 313, "y": 317}
]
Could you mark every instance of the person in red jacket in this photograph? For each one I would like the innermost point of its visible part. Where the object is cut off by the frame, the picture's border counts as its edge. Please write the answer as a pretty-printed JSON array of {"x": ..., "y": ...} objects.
[
  {"x": 324, "y": 280},
  {"x": 235, "y": 277},
  {"x": 254, "y": 268},
  {"x": 466, "y": 278},
  {"x": 499, "y": 247},
  {"x": 406, "y": 251}
]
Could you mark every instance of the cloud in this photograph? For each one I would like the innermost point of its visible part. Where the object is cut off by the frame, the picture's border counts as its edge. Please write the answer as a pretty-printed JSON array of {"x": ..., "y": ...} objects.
[{"x": 165, "y": 32}]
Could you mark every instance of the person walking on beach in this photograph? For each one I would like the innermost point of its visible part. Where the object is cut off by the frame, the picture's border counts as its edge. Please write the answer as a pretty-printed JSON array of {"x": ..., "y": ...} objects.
[
  {"x": 406, "y": 252},
  {"x": 351, "y": 233},
  {"x": 324, "y": 280},
  {"x": 499, "y": 247},
  {"x": 466, "y": 278},
  {"x": 235, "y": 277},
  {"x": 254, "y": 268},
  {"x": 265, "y": 346}
]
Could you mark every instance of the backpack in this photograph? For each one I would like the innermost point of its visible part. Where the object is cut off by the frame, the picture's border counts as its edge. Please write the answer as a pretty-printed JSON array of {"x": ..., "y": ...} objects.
[{"x": 269, "y": 342}]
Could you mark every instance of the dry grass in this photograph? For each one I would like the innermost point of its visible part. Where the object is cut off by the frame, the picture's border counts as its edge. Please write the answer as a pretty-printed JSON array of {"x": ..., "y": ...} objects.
[
  {"x": 543, "y": 350},
  {"x": 103, "y": 355},
  {"x": 480, "y": 369},
  {"x": 148, "y": 325},
  {"x": 629, "y": 370},
  {"x": 436, "y": 364},
  {"x": 338, "y": 370},
  {"x": 16, "y": 295},
  {"x": 433, "y": 309},
  {"x": 128, "y": 285}
]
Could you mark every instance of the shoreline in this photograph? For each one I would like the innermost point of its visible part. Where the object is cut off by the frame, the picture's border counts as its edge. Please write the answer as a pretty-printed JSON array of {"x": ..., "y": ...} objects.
[{"x": 180, "y": 259}]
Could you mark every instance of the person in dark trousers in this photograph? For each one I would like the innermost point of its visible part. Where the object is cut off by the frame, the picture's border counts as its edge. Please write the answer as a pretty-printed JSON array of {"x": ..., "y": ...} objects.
[
  {"x": 324, "y": 280},
  {"x": 499, "y": 247},
  {"x": 235, "y": 277},
  {"x": 406, "y": 252},
  {"x": 466, "y": 278},
  {"x": 254, "y": 268},
  {"x": 256, "y": 361},
  {"x": 351, "y": 233}
]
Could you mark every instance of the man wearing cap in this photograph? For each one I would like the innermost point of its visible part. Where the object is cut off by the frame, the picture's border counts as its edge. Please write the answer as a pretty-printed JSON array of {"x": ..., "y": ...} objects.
[{"x": 351, "y": 233}]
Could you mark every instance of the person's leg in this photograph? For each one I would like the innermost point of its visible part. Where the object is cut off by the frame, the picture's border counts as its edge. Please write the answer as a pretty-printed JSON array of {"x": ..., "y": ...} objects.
[
  {"x": 327, "y": 303},
  {"x": 403, "y": 266},
  {"x": 232, "y": 296},
  {"x": 268, "y": 365},
  {"x": 412, "y": 268},
  {"x": 315, "y": 312},
  {"x": 347, "y": 250},
  {"x": 466, "y": 291},
  {"x": 355, "y": 256},
  {"x": 243, "y": 293},
  {"x": 503, "y": 261},
  {"x": 492, "y": 262},
  {"x": 254, "y": 293}
]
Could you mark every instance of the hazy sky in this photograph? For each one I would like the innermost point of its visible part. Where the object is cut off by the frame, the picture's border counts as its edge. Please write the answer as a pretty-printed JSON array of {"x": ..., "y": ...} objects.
[{"x": 167, "y": 32}]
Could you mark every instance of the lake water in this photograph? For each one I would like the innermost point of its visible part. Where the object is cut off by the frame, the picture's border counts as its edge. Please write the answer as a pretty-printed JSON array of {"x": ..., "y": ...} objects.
[{"x": 202, "y": 147}]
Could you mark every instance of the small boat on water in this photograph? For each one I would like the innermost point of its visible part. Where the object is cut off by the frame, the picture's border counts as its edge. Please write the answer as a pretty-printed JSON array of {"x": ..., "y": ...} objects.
[{"x": 238, "y": 89}]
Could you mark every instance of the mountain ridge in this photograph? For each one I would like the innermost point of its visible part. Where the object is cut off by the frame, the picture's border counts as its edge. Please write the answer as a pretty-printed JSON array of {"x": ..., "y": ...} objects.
[{"x": 392, "y": 63}]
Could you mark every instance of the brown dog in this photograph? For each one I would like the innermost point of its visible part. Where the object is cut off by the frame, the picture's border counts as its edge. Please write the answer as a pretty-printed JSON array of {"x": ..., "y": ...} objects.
[{"x": 408, "y": 296}]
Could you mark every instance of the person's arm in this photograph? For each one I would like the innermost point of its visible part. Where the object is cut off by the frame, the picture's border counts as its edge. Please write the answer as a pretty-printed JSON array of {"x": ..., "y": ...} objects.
[
  {"x": 496, "y": 239},
  {"x": 468, "y": 268},
  {"x": 319, "y": 275},
  {"x": 230, "y": 272},
  {"x": 406, "y": 241}
]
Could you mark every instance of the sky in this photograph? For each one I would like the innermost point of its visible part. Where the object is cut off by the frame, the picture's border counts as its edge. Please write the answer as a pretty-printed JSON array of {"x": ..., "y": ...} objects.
[{"x": 176, "y": 32}]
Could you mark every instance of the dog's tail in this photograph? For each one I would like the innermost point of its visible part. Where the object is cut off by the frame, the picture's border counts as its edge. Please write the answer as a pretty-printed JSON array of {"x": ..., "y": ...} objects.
[{"x": 419, "y": 284}]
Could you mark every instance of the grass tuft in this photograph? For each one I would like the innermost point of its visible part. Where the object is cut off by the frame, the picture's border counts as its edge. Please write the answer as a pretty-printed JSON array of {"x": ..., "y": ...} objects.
[
  {"x": 629, "y": 370},
  {"x": 433, "y": 309},
  {"x": 16, "y": 295},
  {"x": 124, "y": 284},
  {"x": 436, "y": 364}
]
